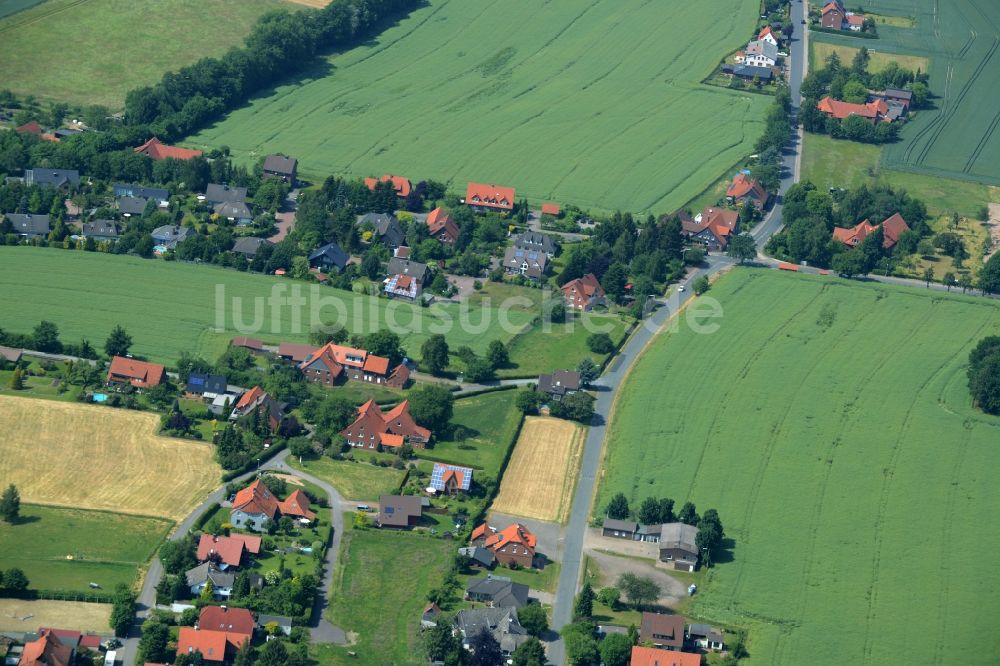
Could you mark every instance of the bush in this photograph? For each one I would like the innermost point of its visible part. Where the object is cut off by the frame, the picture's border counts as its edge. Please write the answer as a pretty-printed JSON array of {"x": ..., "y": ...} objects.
[
  {"x": 600, "y": 343},
  {"x": 700, "y": 285}
]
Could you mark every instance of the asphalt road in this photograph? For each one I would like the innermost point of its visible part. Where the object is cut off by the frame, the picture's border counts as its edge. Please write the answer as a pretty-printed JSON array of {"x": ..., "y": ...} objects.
[{"x": 607, "y": 385}]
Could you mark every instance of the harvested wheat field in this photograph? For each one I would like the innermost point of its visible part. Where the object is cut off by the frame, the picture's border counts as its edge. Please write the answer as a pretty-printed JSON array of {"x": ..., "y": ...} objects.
[
  {"x": 90, "y": 457},
  {"x": 76, "y": 615},
  {"x": 539, "y": 480}
]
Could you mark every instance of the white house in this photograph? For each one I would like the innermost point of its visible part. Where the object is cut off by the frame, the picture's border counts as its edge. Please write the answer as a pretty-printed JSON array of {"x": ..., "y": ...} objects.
[
  {"x": 761, "y": 53},
  {"x": 768, "y": 35}
]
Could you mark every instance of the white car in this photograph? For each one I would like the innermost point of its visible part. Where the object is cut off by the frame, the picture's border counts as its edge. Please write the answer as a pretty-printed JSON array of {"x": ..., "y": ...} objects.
[{"x": 680, "y": 288}]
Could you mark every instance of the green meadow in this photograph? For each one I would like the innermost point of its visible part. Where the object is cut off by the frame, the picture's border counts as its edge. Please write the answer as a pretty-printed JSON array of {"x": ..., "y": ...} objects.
[
  {"x": 829, "y": 423},
  {"x": 594, "y": 103}
]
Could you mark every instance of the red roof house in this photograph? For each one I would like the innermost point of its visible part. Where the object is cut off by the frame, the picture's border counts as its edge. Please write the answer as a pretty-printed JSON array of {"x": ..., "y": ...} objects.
[
  {"x": 768, "y": 35},
  {"x": 892, "y": 228},
  {"x": 227, "y": 549},
  {"x": 247, "y": 343},
  {"x": 253, "y": 505},
  {"x": 30, "y": 127},
  {"x": 371, "y": 427},
  {"x": 296, "y": 505},
  {"x": 489, "y": 197},
  {"x": 257, "y": 399},
  {"x": 515, "y": 543},
  {"x": 236, "y": 623},
  {"x": 160, "y": 151},
  {"x": 714, "y": 227},
  {"x": 399, "y": 183},
  {"x": 744, "y": 188},
  {"x": 551, "y": 209},
  {"x": 647, "y": 656},
  {"x": 873, "y": 111},
  {"x": 441, "y": 226},
  {"x": 47, "y": 650},
  {"x": 211, "y": 644},
  {"x": 326, "y": 364},
  {"x": 833, "y": 15},
  {"x": 583, "y": 293},
  {"x": 137, "y": 373}
]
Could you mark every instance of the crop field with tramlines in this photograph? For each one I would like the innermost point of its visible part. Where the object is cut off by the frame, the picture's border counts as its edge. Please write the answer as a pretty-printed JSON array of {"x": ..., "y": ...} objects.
[
  {"x": 830, "y": 424},
  {"x": 595, "y": 103}
]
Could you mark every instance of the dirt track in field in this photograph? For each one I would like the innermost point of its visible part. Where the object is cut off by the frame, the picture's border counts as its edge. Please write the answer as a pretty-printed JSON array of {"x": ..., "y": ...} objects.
[{"x": 540, "y": 478}]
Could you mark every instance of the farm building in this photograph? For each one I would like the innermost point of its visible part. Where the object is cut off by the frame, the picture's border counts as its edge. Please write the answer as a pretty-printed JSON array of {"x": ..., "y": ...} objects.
[
  {"x": 295, "y": 352},
  {"x": 481, "y": 198},
  {"x": 749, "y": 73},
  {"x": 677, "y": 545},
  {"x": 279, "y": 166},
  {"x": 874, "y": 111},
  {"x": 247, "y": 343},
  {"x": 137, "y": 373},
  {"x": 619, "y": 529},
  {"x": 373, "y": 428}
]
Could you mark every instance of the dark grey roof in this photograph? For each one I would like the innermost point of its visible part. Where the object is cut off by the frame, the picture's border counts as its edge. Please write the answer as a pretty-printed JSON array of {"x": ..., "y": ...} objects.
[
  {"x": 620, "y": 525},
  {"x": 559, "y": 382},
  {"x": 749, "y": 72},
  {"x": 171, "y": 233},
  {"x": 199, "y": 383},
  {"x": 533, "y": 240},
  {"x": 396, "y": 510},
  {"x": 55, "y": 177},
  {"x": 501, "y": 591},
  {"x": 105, "y": 228},
  {"x": 29, "y": 225},
  {"x": 501, "y": 622},
  {"x": 200, "y": 573},
  {"x": 249, "y": 245},
  {"x": 216, "y": 193},
  {"x": 896, "y": 93},
  {"x": 135, "y": 190},
  {"x": 415, "y": 269},
  {"x": 236, "y": 210},
  {"x": 679, "y": 536},
  {"x": 385, "y": 228},
  {"x": 132, "y": 205},
  {"x": 331, "y": 253},
  {"x": 516, "y": 257},
  {"x": 478, "y": 554},
  {"x": 280, "y": 164},
  {"x": 706, "y": 631}
]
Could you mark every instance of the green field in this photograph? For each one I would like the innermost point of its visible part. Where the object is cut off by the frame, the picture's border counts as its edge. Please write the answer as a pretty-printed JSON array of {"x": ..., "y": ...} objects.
[
  {"x": 95, "y": 51},
  {"x": 833, "y": 432},
  {"x": 379, "y": 591},
  {"x": 587, "y": 103},
  {"x": 561, "y": 346},
  {"x": 490, "y": 421},
  {"x": 169, "y": 307},
  {"x": 66, "y": 549},
  {"x": 355, "y": 480}
]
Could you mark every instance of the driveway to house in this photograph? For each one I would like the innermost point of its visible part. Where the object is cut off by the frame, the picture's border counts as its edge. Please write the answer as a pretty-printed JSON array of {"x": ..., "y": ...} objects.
[{"x": 672, "y": 591}]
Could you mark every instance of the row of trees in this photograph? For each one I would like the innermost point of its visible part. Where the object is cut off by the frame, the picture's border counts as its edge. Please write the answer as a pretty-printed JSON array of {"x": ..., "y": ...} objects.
[
  {"x": 45, "y": 338},
  {"x": 659, "y": 510}
]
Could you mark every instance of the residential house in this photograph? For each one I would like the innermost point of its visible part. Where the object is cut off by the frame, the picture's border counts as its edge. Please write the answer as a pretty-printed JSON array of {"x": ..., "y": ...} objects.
[
  {"x": 405, "y": 278},
  {"x": 331, "y": 361},
  {"x": 833, "y": 15},
  {"x": 157, "y": 194},
  {"x": 892, "y": 228},
  {"x": 236, "y": 623},
  {"x": 294, "y": 351},
  {"x": 619, "y": 529},
  {"x": 129, "y": 206},
  {"x": 248, "y": 246},
  {"x": 583, "y": 293},
  {"x": 210, "y": 644},
  {"x": 479, "y": 557},
  {"x": 502, "y": 623},
  {"x": 513, "y": 544},
  {"x": 766, "y": 34},
  {"x": 662, "y": 631},
  {"x": 385, "y": 228},
  {"x": 372, "y": 427},
  {"x": 216, "y": 194},
  {"x": 529, "y": 263},
  {"x": 137, "y": 373},
  {"x": 46, "y": 650},
  {"x": 705, "y": 637},
  {"x": 677, "y": 545},
  {"x": 296, "y": 506},
  {"x": 328, "y": 258},
  {"x": 648, "y": 656},
  {"x": 52, "y": 177},
  {"x": 538, "y": 242},
  {"x": 744, "y": 189},
  {"x": 897, "y": 96},
  {"x": 252, "y": 344},
  {"x": 252, "y": 506},
  {"x": 200, "y": 576},
  {"x": 760, "y": 53},
  {"x": 279, "y": 166},
  {"x": 498, "y": 592},
  {"x": 71, "y": 638},
  {"x": 855, "y": 22},
  {"x": 441, "y": 227},
  {"x": 29, "y": 225},
  {"x": 257, "y": 399},
  {"x": 400, "y": 184},
  {"x": 157, "y": 150},
  {"x": 30, "y": 127},
  {"x": 551, "y": 209},
  {"x": 874, "y": 111},
  {"x": 101, "y": 230},
  {"x": 279, "y": 622},
  {"x": 228, "y": 551},
  {"x": 429, "y": 616},
  {"x": 450, "y": 479},
  {"x": 237, "y": 212},
  {"x": 558, "y": 384},
  {"x": 10, "y": 354},
  {"x": 481, "y": 197},
  {"x": 713, "y": 227},
  {"x": 170, "y": 236},
  {"x": 207, "y": 386},
  {"x": 749, "y": 73},
  {"x": 400, "y": 511}
]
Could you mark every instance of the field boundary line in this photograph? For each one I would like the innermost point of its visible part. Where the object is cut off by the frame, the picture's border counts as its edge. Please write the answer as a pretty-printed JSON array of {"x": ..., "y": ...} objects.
[{"x": 57, "y": 505}]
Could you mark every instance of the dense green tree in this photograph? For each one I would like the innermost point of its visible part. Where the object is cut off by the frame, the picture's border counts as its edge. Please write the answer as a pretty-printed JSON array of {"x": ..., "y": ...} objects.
[
  {"x": 434, "y": 354},
  {"x": 614, "y": 281},
  {"x": 701, "y": 285},
  {"x": 618, "y": 507},
  {"x": 122, "y": 610},
  {"x": 440, "y": 644},
  {"x": 153, "y": 643},
  {"x": 14, "y": 580},
  {"x": 431, "y": 406},
  {"x": 485, "y": 650},
  {"x": 529, "y": 653},
  {"x": 588, "y": 370},
  {"x": 742, "y": 247},
  {"x": 10, "y": 504},
  {"x": 385, "y": 343},
  {"x": 641, "y": 591},
  {"x": 688, "y": 514},
  {"x": 583, "y": 607},
  {"x": 534, "y": 619},
  {"x": 118, "y": 342},
  {"x": 17, "y": 380},
  {"x": 577, "y": 406},
  {"x": 496, "y": 354},
  {"x": 616, "y": 650},
  {"x": 989, "y": 275},
  {"x": 600, "y": 343},
  {"x": 848, "y": 264},
  {"x": 274, "y": 653},
  {"x": 45, "y": 338},
  {"x": 479, "y": 371},
  {"x": 581, "y": 644},
  {"x": 649, "y": 511},
  {"x": 609, "y": 596}
]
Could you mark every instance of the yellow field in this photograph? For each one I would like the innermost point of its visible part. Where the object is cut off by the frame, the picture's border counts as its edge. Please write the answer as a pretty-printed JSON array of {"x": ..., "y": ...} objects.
[
  {"x": 822, "y": 50},
  {"x": 76, "y": 615},
  {"x": 91, "y": 457},
  {"x": 539, "y": 480},
  {"x": 312, "y": 3}
]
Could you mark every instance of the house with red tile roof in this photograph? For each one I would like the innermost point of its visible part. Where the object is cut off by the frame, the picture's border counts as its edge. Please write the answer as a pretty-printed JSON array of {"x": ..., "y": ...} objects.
[
  {"x": 296, "y": 505},
  {"x": 30, "y": 127},
  {"x": 551, "y": 209},
  {"x": 211, "y": 644},
  {"x": 744, "y": 188},
  {"x": 482, "y": 197},
  {"x": 833, "y": 15},
  {"x": 855, "y": 22},
  {"x": 257, "y": 399},
  {"x": 252, "y": 506},
  {"x": 331, "y": 362},
  {"x": 450, "y": 479},
  {"x": 47, "y": 650},
  {"x": 441, "y": 227},
  {"x": 892, "y": 228},
  {"x": 713, "y": 227},
  {"x": 768, "y": 35},
  {"x": 513, "y": 544},
  {"x": 227, "y": 551},
  {"x": 236, "y": 623},
  {"x": 137, "y": 373},
  {"x": 296, "y": 352},
  {"x": 400, "y": 184},
  {"x": 874, "y": 111},
  {"x": 648, "y": 656},
  {"x": 583, "y": 293},
  {"x": 158, "y": 150},
  {"x": 373, "y": 428}
]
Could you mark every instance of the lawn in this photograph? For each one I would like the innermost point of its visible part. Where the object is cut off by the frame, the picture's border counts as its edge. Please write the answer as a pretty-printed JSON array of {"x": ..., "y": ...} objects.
[
  {"x": 819, "y": 51},
  {"x": 116, "y": 45},
  {"x": 379, "y": 591},
  {"x": 489, "y": 422},
  {"x": 20, "y": 615},
  {"x": 544, "y": 348},
  {"x": 353, "y": 480},
  {"x": 67, "y": 549},
  {"x": 200, "y": 308},
  {"x": 833, "y": 432},
  {"x": 86, "y": 456},
  {"x": 446, "y": 95}
]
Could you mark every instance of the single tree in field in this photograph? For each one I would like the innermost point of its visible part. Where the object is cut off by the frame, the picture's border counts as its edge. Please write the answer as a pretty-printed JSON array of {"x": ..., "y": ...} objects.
[
  {"x": 17, "y": 380},
  {"x": 46, "y": 338},
  {"x": 954, "y": 220},
  {"x": 641, "y": 591},
  {"x": 965, "y": 282},
  {"x": 434, "y": 354},
  {"x": 742, "y": 247},
  {"x": 583, "y": 607},
  {"x": 14, "y": 579},
  {"x": 497, "y": 355},
  {"x": 10, "y": 504},
  {"x": 618, "y": 507},
  {"x": 118, "y": 342}
]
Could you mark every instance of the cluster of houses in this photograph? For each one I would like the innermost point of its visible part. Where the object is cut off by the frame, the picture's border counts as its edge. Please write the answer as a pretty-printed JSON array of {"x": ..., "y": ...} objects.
[
  {"x": 892, "y": 228},
  {"x": 676, "y": 541},
  {"x": 884, "y": 106},
  {"x": 714, "y": 226},
  {"x": 222, "y": 631},
  {"x": 54, "y": 135},
  {"x": 835, "y": 17},
  {"x": 52, "y": 647},
  {"x": 759, "y": 60}
]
